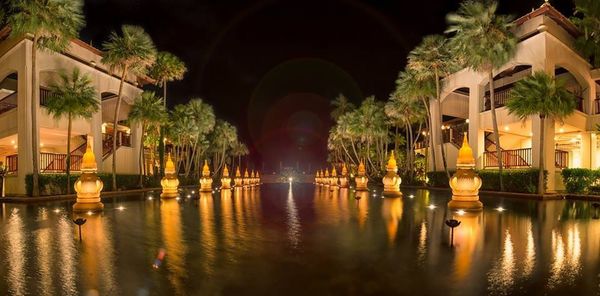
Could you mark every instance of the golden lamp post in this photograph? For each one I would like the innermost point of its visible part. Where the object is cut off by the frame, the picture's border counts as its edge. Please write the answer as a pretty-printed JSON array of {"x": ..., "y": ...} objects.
[
  {"x": 465, "y": 183},
  {"x": 169, "y": 182},
  {"x": 88, "y": 186},
  {"x": 246, "y": 178},
  {"x": 391, "y": 180},
  {"x": 225, "y": 179},
  {"x": 344, "y": 177},
  {"x": 318, "y": 177},
  {"x": 326, "y": 178},
  {"x": 361, "y": 178},
  {"x": 206, "y": 180}
]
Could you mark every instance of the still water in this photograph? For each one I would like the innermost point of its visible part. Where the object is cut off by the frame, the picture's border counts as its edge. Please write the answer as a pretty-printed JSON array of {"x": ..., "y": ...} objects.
[{"x": 301, "y": 241}]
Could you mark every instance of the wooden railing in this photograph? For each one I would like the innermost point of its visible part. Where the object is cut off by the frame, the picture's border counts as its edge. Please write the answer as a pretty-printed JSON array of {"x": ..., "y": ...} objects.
[
  {"x": 579, "y": 103},
  {"x": 597, "y": 105},
  {"x": 45, "y": 94},
  {"x": 12, "y": 163},
  {"x": 501, "y": 97},
  {"x": 520, "y": 158},
  {"x": 123, "y": 139},
  {"x": 561, "y": 159},
  {"x": 57, "y": 162},
  {"x": 8, "y": 103}
]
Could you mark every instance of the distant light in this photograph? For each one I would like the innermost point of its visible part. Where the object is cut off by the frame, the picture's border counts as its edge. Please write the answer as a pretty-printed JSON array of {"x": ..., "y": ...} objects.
[
  {"x": 177, "y": 198},
  {"x": 188, "y": 196},
  {"x": 193, "y": 191},
  {"x": 411, "y": 196},
  {"x": 90, "y": 213},
  {"x": 460, "y": 212},
  {"x": 290, "y": 179},
  {"x": 561, "y": 130},
  {"x": 57, "y": 210},
  {"x": 432, "y": 207},
  {"x": 506, "y": 128},
  {"x": 149, "y": 197},
  {"x": 120, "y": 208},
  {"x": 500, "y": 209},
  {"x": 467, "y": 120}
]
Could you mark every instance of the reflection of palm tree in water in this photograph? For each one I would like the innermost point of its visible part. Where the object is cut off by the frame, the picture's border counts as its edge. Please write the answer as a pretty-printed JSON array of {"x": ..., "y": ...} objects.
[{"x": 171, "y": 230}]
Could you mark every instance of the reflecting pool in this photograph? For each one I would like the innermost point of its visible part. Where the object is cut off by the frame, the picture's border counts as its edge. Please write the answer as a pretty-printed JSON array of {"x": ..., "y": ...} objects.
[{"x": 302, "y": 240}]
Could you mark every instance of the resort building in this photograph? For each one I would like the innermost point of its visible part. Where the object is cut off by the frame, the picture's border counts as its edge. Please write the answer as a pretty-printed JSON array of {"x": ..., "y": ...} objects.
[
  {"x": 546, "y": 43},
  {"x": 15, "y": 112}
]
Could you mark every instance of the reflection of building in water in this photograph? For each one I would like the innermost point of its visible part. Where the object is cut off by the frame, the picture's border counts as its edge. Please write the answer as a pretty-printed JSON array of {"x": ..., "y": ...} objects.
[
  {"x": 566, "y": 256},
  {"x": 16, "y": 259},
  {"x": 362, "y": 206},
  {"x": 422, "y": 248},
  {"x": 43, "y": 248},
  {"x": 208, "y": 236},
  {"x": 392, "y": 214},
  {"x": 66, "y": 256},
  {"x": 468, "y": 237},
  {"x": 502, "y": 275},
  {"x": 97, "y": 257},
  {"x": 170, "y": 214}
]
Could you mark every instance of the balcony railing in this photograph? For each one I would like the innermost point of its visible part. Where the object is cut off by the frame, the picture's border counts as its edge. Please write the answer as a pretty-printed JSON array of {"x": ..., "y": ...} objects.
[
  {"x": 503, "y": 95},
  {"x": 45, "y": 94},
  {"x": 12, "y": 163},
  {"x": 49, "y": 162},
  {"x": 8, "y": 103},
  {"x": 521, "y": 158}
]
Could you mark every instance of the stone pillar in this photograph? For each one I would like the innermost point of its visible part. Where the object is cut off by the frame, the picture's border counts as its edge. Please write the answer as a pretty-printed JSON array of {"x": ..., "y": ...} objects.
[
  {"x": 96, "y": 135},
  {"x": 586, "y": 150},
  {"x": 24, "y": 129},
  {"x": 476, "y": 135},
  {"x": 593, "y": 144}
]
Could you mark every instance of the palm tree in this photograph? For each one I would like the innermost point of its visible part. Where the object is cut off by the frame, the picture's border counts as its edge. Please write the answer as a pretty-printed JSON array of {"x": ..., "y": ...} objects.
[
  {"x": 432, "y": 60},
  {"x": 223, "y": 137},
  {"x": 483, "y": 41},
  {"x": 150, "y": 112},
  {"x": 238, "y": 150},
  {"x": 52, "y": 24},
  {"x": 167, "y": 67},
  {"x": 130, "y": 52},
  {"x": 587, "y": 19},
  {"x": 542, "y": 95},
  {"x": 341, "y": 105},
  {"x": 74, "y": 97}
]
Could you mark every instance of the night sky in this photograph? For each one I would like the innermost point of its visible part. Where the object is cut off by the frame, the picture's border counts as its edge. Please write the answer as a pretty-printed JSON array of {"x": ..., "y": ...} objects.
[{"x": 271, "y": 67}]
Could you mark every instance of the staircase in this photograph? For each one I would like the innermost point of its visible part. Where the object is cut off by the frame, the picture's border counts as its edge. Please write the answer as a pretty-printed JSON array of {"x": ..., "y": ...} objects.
[
  {"x": 515, "y": 158},
  {"x": 57, "y": 162}
]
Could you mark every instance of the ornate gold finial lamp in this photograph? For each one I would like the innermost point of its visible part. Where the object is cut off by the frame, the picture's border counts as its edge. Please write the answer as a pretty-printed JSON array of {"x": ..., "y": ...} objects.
[
  {"x": 238, "y": 180},
  {"x": 326, "y": 178},
  {"x": 465, "y": 183},
  {"x": 333, "y": 180},
  {"x": 206, "y": 180},
  {"x": 252, "y": 179},
  {"x": 169, "y": 182},
  {"x": 257, "y": 178},
  {"x": 344, "y": 177},
  {"x": 246, "y": 178},
  {"x": 88, "y": 186},
  {"x": 318, "y": 177},
  {"x": 225, "y": 179},
  {"x": 361, "y": 179},
  {"x": 391, "y": 180}
]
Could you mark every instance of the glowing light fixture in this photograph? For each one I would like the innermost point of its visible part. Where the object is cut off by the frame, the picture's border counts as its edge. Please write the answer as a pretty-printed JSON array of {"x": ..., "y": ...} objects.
[{"x": 88, "y": 186}]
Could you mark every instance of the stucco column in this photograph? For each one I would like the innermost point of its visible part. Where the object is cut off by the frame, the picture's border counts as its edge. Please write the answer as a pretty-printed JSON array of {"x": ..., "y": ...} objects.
[
  {"x": 24, "y": 128},
  {"x": 96, "y": 134},
  {"x": 586, "y": 150},
  {"x": 593, "y": 144},
  {"x": 476, "y": 135},
  {"x": 435, "y": 131},
  {"x": 549, "y": 148}
]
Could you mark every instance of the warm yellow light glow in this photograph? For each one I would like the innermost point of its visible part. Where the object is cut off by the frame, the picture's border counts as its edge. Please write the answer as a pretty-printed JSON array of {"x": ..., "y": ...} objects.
[
  {"x": 506, "y": 128},
  {"x": 88, "y": 186},
  {"x": 169, "y": 182},
  {"x": 561, "y": 130}
]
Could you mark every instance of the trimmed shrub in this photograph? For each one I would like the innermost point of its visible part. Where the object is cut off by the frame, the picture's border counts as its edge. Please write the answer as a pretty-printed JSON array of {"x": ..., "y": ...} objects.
[
  {"x": 56, "y": 184},
  {"x": 580, "y": 180},
  {"x": 521, "y": 181}
]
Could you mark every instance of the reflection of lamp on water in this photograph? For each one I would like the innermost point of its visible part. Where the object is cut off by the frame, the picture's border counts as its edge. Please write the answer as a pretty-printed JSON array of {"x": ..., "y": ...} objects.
[
  {"x": 225, "y": 179},
  {"x": 361, "y": 179},
  {"x": 238, "y": 181},
  {"x": 344, "y": 177},
  {"x": 169, "y": 182},
  {"x": 88, "y": 185},
  {"x": 391, "y": 180},
  {"x": 206, "y": 180},
  {"x": 465, "y": 183}
]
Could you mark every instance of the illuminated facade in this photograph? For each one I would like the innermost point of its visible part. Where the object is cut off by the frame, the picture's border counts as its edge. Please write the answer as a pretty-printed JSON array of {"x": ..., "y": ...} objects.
[{"x": 546, "y": 43}]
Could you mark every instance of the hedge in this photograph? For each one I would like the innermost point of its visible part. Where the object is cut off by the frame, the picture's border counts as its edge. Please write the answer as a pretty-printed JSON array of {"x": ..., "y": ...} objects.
[
  {"x": 56, "y": 184},
  {"x": 581, "y": 180},
  {"x": 522, "y": 181}
]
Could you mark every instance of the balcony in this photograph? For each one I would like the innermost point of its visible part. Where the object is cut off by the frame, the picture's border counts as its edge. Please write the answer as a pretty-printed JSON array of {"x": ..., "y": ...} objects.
[
  {"x": 521, "y": 158},
  {"x": 8, "y": 103},
  {"x": 503, "y": 95},
  {"x": 48, "y": 162}
]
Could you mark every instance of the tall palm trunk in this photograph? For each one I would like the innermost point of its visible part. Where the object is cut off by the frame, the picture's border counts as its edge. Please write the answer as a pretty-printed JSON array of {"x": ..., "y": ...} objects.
[
  {"x": 68, "y": 158},
  {"x": 495, "y": 126},
  {"x": 141, "y": 157},
  {"x": 441, "y": 137},
  {"x": 35, "y": 101},
  {"x": 115, "y": 124},
  {"x": 161, "y": 141},
  {"x": 430, "y": 142},
  {"x": 541, "y": 188}
]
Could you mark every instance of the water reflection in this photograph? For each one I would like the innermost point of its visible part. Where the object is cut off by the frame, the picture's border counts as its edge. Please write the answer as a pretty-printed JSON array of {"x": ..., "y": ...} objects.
[{"x": 238, "y": 242}]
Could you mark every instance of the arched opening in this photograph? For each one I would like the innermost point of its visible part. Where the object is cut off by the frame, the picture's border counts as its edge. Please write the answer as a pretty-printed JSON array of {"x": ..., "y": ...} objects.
[
  {"x": 109, "y": 103},
  {"x": 455, "y": 116},
  {"x": 8, "y": 92}
]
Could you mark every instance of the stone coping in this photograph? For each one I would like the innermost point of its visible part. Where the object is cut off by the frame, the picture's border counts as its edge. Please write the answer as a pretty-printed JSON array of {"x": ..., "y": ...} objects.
[
  {"x": 66, "y": 197},
  {"x": 548, "y": 196}
]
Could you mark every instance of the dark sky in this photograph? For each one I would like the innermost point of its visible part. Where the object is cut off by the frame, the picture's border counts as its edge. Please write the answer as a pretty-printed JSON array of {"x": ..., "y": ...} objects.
[{"x": 271, "y": 67}]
